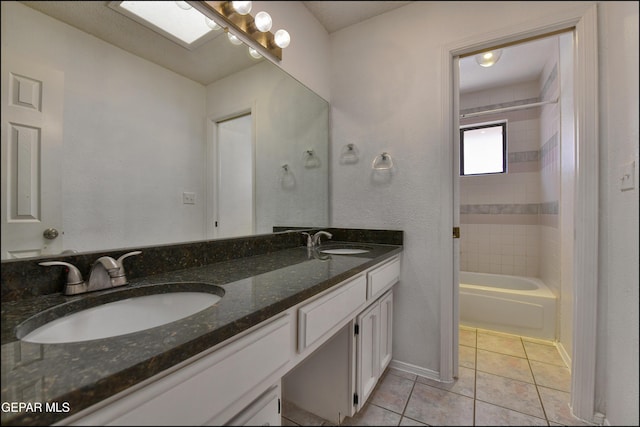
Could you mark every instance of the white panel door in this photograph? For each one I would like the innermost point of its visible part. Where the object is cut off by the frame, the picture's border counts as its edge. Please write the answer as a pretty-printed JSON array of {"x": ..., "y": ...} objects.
[
  {"x": 32, "y": 129},
  {"x": 235, "y": 188}
]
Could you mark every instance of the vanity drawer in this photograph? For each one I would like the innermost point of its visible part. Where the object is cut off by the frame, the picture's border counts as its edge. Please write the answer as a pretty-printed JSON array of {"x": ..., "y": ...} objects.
[
  {"x": 382, "y": 278},
  {"x": 321, "y": 315}
]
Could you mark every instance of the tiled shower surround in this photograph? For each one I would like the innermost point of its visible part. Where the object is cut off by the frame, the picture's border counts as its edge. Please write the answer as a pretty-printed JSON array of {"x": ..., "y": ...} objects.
[{"x": 509, "y": 222}]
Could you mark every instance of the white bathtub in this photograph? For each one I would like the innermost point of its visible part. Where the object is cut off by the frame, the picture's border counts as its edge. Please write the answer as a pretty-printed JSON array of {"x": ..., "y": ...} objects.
[{"x": 512, "y": 304}]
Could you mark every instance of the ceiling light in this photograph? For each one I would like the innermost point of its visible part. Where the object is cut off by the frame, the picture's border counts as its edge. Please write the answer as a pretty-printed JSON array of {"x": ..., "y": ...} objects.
[
  {"x": 263, "y": 21},
  {"x": 487, "y": 59}
]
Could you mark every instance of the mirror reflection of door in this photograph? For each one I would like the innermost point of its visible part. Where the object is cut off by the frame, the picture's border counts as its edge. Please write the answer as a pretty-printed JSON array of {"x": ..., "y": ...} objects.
[
  {"x": 32, "y": 107},
  {"x": 235, "y": 178}
]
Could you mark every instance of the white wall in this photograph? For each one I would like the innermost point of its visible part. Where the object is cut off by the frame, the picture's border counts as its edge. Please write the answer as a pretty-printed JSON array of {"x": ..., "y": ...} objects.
[
  {"x": 618, "y": 342},
  {"x": 503, "y": 242},
  {"x": 386, "y": 96},
  {"x": 131, "y": 128},
  {"x": 567, "y": 188},
  {"x": 289, "y": 120},
  {"x": 306, "y": 57}
]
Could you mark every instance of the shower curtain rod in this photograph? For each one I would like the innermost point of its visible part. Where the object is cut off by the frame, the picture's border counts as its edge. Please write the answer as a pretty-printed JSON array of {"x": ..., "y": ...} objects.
[{"x": 513, "y": 108}]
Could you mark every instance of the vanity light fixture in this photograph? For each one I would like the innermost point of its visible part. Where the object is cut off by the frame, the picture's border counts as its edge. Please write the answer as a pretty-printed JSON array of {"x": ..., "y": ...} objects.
[
  {"x": 282, "y": 38},
  {"x": 263, "y": 21},
  {"x": 242, "y": 7},
  {"x": 233, "y": 39},
  {"x": 487, "y": 59},
  {"x": 235, "y": 17},
  {"x": 183, "y": 5},
  {"x": 254, "y": 53},
  {"x": 211, "y": 23}
]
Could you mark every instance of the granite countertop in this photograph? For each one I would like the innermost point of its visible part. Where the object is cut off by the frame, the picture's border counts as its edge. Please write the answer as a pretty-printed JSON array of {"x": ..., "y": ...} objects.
[{"x": 77, "y": 375}]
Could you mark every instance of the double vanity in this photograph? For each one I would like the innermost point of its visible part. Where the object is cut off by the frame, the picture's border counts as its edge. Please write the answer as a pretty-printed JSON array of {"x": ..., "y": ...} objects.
[{"x": 264, "y": 319}]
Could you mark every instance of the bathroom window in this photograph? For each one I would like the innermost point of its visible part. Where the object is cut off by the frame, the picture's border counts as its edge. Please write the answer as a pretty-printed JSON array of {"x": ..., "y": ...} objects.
[{"x": 483, "y": 149}]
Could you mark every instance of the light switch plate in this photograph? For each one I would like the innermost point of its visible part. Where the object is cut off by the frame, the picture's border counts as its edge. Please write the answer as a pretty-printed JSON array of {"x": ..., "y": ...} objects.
[
  {"x": 627, "y": 176},
  {"x": 189, "y": 198}
]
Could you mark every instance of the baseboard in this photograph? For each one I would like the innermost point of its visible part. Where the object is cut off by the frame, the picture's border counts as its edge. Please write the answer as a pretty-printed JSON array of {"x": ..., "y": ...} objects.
[
  {"x": 413, "y": 369},
  {"x": 566, "y": 357}
]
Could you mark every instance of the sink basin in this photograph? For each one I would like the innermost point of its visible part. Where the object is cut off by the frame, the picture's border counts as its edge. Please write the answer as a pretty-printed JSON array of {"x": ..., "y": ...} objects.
[
  {"x": 126, "y": 315},
  {"x": 344, "y": 249}
]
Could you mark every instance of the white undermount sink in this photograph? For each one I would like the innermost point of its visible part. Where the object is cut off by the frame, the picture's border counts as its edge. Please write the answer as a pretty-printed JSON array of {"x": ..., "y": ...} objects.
[
  {"x": 344, "y": 248},
  {"x": 122, "y": 317},
  {"x": 344, "y": 251}
]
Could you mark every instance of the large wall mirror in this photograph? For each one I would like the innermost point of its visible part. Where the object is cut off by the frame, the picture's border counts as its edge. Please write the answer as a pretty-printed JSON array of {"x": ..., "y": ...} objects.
[{"x": 113, "y": 136}]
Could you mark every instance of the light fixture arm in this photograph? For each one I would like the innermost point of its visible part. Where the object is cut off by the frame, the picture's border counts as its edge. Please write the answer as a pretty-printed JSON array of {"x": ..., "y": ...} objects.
[{"x": 243, "y": 26}]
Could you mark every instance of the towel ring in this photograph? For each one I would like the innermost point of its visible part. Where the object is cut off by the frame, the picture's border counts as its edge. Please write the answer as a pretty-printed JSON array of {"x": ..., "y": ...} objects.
[
  {"x": 382, "y": 162},
  {"x": 349, "y": 154}
]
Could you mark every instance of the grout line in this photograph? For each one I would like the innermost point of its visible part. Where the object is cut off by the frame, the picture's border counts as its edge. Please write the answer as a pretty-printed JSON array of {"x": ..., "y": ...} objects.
[
  {"x": 475, "y": 382},
  {"x": 409, "y": 398},
  {"x": 535, "y": 381}
]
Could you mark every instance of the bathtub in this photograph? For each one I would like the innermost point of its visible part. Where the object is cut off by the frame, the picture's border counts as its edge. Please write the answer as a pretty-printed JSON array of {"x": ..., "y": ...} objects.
[{"x": 511, "y": 304}]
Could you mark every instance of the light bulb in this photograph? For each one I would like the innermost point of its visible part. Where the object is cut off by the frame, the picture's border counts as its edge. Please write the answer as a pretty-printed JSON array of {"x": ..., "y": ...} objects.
[
  {"x": 254, "y": 53},
  {"x": 183, "y": 5},
  {"x": 488, "y": 59},
  {"x": 282, "y": 38},
  {"x": 263, "y": 21},
  {"x": 211, "y": 23},
  {"x": 233, "y": 39},
  {"x": 242, "y": 7}
]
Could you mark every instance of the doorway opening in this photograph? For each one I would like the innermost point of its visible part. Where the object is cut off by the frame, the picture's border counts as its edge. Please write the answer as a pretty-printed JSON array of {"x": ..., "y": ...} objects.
[
  {"x": 583, "y": 23},
  {"x": 234, "y": 188},
  {"x": 518, "y": 222}
]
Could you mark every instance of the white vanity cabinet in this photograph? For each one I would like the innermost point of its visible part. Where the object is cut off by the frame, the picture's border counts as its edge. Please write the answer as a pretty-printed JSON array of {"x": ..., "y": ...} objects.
[
  {"x": 335, "y": 381},
  {"x": 208, "y": 391},
  {"x": 310, "y": 354}
]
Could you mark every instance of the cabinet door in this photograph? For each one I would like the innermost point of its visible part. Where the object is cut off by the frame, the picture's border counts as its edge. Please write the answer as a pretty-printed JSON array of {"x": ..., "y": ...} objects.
[
  {"x": 386, "y": 330},
  {"x": 368, "y": 352}
]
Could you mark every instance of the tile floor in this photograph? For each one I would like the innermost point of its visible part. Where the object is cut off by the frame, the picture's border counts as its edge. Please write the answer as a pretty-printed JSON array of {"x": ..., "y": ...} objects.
[{"x": 503, "y": 380}]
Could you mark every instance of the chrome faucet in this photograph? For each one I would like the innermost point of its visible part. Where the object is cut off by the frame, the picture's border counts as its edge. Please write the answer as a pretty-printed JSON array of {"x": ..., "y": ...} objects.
[
  {"x": 106, "y": 272},
  {"x": 314, "y": 241},
  {"x": 318, "y": 235}
]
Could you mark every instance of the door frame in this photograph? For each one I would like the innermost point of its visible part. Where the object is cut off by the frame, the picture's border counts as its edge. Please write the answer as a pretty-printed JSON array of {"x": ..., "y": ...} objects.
[
  {"x": 211, "y": 165},
  {"x": 583, "y": 22}
]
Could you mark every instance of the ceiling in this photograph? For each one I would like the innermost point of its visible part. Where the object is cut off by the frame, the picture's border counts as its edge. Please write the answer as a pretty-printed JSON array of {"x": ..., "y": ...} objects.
[
  {"x": 336, "y": 15},
  {"x": 518, "y": 63}
]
